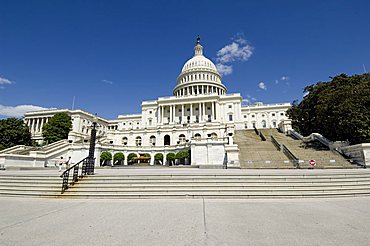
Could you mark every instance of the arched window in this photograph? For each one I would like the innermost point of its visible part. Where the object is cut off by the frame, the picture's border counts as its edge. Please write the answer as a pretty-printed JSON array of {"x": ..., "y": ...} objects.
[
  {"x": 167, "y": 140},
  {"x": 152, "y": 140},
  {"x": 124, "y": 140},
  {"x": 138, "y": 141},
  {"x": 182, "y": 139},
  {"x": 264, "y": 124},
  {"x": 197, "y": 137}
]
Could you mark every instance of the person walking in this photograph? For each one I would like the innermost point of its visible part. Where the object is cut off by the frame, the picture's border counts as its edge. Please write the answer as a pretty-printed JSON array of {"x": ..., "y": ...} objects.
[
  {"x": 60, "y": 163},
  {"x": 68, "y": 162}
]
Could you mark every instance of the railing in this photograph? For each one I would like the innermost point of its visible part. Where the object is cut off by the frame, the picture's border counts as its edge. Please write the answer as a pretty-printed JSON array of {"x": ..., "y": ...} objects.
[
  {"x": 80, "y": 169},
  {"x": 291, "y": 156},
  {"x": 275, "y": 143},
  {"x": 259, "y": 133},
  {"x": 295, "y": 135}
]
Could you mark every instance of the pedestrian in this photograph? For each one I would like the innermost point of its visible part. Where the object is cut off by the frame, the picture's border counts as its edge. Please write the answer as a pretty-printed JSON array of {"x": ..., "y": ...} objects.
[
  {"x": 60, "y": 163},
  {"x": 68, "y": 162}
]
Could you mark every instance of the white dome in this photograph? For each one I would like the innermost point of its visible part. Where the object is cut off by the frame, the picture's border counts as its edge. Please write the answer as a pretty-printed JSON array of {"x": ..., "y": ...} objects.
[
  {"x": 199, "y": 62},
  {"x": 199, "y": 76}
]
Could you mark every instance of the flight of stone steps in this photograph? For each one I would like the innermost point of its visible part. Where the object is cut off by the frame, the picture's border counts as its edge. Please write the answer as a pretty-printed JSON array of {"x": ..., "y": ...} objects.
[
  {"x": 324, "y": 157},
  {"x": 255, "y": 153},
  {"x": 30, "y": 183},
  {"x": 195, "y": 184}
]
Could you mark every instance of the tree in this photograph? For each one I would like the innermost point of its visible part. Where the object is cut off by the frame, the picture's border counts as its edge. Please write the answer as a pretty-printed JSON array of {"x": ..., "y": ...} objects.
[
  {"x": 118, "y": 158},
  {"x": 105, "y": 157},
  {"x": 338, "y": 109},
  {"x": 158, "y": 158},
  {"x": 182, "y": 155},
  {"x": 13, "y": 132},
  {"x": 170, "y": 158},
  {"x": 57, "y": 127},
  {"x": 131, "y": 156}
]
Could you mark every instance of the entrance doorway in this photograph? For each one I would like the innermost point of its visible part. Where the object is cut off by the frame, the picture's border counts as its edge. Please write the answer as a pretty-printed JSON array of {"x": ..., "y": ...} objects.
[{"x": 167, "y": 140}]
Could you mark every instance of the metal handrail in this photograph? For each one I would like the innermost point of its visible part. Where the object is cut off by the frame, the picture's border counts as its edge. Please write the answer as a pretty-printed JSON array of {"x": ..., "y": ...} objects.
[
  {"x": 259, "y": 133},
  {"x": 85, "y": 165},
  {"x": 275, "y": 143},
  {"x": 263, "y": 138},
  {"x": 291, "y": 156}
]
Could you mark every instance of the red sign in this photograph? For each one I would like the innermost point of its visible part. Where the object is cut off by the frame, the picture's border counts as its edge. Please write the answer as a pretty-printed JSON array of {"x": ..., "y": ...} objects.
[{"x": 312, "y": 163}]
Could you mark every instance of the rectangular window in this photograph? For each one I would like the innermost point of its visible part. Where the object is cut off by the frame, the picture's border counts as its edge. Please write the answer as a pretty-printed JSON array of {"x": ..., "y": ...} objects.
[
  {"x": 230, "y": 117},
  {"x": 230, "y": 106}
]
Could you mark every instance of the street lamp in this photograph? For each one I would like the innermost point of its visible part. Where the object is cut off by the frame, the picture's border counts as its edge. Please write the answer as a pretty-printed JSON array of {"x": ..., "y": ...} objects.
[{"x": 90, "y": 158}]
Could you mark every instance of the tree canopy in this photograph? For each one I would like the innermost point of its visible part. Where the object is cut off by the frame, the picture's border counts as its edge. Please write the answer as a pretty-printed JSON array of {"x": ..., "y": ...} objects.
[
  {"x": 338, "y": 109},
  {"x": 118, "y": 158},
  {"x": 14, "y": 132},
  {"x": 131, "y": 156},
  {"x": 57, "y": 127}
]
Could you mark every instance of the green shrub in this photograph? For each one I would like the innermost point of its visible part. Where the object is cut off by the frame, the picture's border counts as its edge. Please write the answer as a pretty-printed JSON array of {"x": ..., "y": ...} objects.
[
  {"x": 105, "y": 157},
  {"x": 158, "y": 158},
  {"x": 171, "y": 157},
  {"x": 131, "y": 156},
  {"x": 118, "y": 158}
]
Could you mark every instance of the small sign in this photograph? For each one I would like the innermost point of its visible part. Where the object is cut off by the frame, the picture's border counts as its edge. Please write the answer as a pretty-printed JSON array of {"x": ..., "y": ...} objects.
[{"x": 312, "y": 163}]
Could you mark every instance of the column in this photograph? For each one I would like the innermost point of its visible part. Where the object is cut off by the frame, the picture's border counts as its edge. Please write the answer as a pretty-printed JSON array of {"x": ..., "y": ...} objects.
[
  {"x": 171, "y": 114},
  {"x": 182, "y": 114},
  {"x": 31, "y": 125},
  {"x": 158, "y": 114},
  {"x": 200, "y": 112},
  {"x": 204, "y": 112},
  {"x": 42, "y": 123},
  {"x": 191, "y": 113},
  {"x": 212, "y": 111},
  {"x": 218, "y": 114},
  {"x": 37, "y": 125}
]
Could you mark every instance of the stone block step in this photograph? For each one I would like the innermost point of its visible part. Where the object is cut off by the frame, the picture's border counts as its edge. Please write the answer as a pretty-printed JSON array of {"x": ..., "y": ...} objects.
[{"x": 216, "y": 194}]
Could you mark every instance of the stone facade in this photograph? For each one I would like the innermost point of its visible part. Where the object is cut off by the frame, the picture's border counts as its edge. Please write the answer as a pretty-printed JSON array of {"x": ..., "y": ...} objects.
[{"x": 200, "y": 116}]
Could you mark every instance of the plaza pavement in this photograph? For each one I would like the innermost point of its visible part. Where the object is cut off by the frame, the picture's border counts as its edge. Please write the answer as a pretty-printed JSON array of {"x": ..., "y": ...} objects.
[{"x": 333, "y": 221}]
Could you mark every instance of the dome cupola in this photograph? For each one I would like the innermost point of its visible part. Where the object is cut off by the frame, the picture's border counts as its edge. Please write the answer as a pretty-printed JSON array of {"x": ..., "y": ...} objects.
[{"x": 198, "y": 76}]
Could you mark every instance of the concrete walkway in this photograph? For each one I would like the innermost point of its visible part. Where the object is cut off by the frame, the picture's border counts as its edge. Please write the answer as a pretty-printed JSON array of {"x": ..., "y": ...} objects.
[{"x": 334, "y": 221}]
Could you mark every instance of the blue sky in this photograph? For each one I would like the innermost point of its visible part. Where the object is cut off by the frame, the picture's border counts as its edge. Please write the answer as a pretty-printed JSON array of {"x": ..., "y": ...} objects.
[{"x": 111, "y": 55}]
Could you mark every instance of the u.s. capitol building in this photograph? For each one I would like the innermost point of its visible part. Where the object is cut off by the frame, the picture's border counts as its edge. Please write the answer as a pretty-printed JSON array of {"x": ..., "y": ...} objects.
[{"x": 200, "y": 116}]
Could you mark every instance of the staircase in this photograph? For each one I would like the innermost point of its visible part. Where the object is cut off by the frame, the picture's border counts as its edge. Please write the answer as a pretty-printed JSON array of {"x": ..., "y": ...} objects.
[
  {"x": 255, "y": 153},
  {"x": 324, "y": 157},
  {"x": 28, "y": 184},
  {"x": 199, "y": 183},
  {"x": 222, "y": 185}
]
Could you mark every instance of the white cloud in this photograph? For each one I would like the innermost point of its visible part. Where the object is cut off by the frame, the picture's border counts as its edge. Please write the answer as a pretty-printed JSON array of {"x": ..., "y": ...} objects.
[
  {"x": 4, "y": 81},
  {"x": 237, "y": 50},
  {"x": 107, "y": 81},
  {"x": 224, "y": 69},
  {"x": 248, "y": 100},
  {"x": 276, "y": 81},
  {"x": 18, "y": 111},
  {"x": 234, "y": 52},
  {"x": 262, "y": 86},
  {"x": 283, "y": 78}
]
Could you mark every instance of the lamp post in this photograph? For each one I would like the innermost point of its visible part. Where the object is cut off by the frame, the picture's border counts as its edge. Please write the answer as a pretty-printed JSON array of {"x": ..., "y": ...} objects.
[{"x": 90, "y": 158}]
